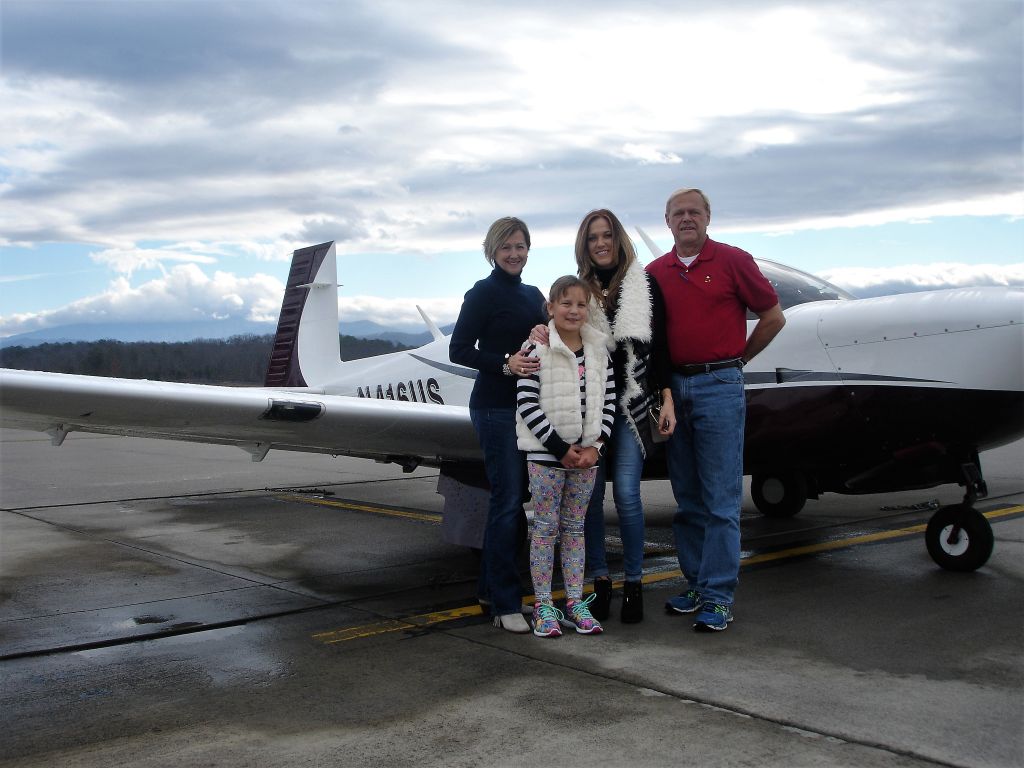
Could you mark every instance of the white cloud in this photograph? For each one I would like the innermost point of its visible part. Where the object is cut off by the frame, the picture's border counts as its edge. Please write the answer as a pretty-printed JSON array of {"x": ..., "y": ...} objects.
[
  {"x": 774, "y": 136},
  {"x": 679, "y": 72},
  {"x": 184, "y": 294},
  {"x": 878, "y": 281},
  {"x": 285, "y": 125},
  {"x": 398, "y": 311},
  {"x": 32, "y": 276},
  {"x": 1010, "y": 206},
  {"x": 647, "y": 154},
  {"x": 128, "y": 260},
  {"x": 415, "y": 115}
]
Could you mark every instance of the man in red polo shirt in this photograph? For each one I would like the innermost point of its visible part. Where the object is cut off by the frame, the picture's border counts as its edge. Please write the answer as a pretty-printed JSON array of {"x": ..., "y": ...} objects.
[{"x": 708, "y": 288}]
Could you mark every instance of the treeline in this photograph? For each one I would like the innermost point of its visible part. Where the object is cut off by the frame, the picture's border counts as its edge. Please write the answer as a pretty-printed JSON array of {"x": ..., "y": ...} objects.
[{"x": 238, "y": 360}]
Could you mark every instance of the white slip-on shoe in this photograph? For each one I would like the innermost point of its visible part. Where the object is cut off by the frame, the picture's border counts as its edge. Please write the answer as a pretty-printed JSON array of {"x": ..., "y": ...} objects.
[{"x": 512, "y": 622}]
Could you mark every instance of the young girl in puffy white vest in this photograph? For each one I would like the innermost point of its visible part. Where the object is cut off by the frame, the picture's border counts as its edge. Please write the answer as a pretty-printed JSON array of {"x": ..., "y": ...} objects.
[{"x": 565, "y": 413}]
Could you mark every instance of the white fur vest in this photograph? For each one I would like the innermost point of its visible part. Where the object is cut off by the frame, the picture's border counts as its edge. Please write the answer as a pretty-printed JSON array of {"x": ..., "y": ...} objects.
[
  {"x": 560, "y": 390},
  {"x": 632, "y": 330}
]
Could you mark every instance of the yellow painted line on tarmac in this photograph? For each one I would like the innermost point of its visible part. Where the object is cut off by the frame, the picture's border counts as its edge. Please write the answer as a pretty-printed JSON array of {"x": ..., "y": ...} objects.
[
  {"x": 868, "y": 538},
  {"x": 826, "y": 546},
  {"x": 424, "y": 517},
  {"x": 397, "y": 625},
  {"x": 413, "y": 622},
  {"x": 438, "y": 617}
]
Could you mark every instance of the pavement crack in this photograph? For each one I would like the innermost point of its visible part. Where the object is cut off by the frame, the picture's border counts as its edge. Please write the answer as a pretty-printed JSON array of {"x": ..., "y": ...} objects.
[{"x": 722, "y": 706}]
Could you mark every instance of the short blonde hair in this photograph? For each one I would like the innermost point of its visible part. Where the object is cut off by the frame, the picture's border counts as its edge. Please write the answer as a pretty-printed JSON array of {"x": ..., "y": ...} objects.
[
  {"x": 681, "y": 192},
  {"x": 500, "y": 231}
]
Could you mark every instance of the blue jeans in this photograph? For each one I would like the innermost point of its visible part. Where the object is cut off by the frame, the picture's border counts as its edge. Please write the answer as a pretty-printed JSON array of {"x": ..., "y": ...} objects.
[
  {"x": 627, "y": 464},
  {"x": 705, "y": 466},
  {"x": 506, "y": 472}
]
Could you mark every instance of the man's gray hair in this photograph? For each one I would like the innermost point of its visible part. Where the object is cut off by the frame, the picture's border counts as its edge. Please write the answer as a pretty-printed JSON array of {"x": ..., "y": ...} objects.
[{"x": 681, "y": 192}]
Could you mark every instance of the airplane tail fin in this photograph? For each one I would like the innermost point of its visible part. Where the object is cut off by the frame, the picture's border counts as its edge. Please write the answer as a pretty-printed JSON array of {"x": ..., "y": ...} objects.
[
  {"x": 431, "y": 325},
  {"x": 306, "y": 345}
]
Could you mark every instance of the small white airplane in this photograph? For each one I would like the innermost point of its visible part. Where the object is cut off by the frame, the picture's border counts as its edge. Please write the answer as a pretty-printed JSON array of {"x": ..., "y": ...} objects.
[{"x": 853, "y": 396}]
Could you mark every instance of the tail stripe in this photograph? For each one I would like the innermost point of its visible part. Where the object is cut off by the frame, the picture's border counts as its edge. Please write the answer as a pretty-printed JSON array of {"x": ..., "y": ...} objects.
[{"x": 283, "y": 369}]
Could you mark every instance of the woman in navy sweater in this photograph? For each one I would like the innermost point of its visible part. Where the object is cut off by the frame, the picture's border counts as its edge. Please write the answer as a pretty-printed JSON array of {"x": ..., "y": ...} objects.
[{"x": 496, "y": 317}]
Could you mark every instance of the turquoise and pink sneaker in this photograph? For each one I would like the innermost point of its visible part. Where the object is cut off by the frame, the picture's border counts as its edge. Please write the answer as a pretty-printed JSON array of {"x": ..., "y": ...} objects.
[
  {"x": 545, "y": 620},
  {"x": 577, "y": 614}
]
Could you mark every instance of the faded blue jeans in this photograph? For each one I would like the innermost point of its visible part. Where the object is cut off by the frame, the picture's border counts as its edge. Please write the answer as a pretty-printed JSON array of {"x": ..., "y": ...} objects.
[
  {"x": 506, "y": 472},
  {"x": 627, "y": 464},
  {"x": 705, "y": 466}
]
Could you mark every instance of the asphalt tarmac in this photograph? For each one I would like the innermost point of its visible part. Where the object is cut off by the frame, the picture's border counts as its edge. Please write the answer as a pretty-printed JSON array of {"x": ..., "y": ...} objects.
[{"x": 172, "y": 604}]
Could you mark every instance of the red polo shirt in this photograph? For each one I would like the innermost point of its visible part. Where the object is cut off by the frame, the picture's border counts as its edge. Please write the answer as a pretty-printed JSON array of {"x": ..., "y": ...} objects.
[{"x": 706, "y": 303}]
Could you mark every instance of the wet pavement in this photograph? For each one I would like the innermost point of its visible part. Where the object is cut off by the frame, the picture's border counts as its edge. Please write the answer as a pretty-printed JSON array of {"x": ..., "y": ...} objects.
[{"x": 165, "y": 603}]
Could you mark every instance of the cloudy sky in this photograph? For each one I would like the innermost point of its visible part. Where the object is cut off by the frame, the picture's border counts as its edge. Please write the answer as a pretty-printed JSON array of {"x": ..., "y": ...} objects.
[{"x": 160, "y": 160}]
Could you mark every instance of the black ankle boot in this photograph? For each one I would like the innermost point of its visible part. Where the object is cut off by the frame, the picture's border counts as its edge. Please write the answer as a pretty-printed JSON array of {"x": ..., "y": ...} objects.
[
  {"x": 602, "y": 599},
  {"x": 632, "y": 602}
]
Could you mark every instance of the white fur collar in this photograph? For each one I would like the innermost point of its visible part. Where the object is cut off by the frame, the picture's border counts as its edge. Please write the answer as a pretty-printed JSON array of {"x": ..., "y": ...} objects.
[
  {"x": 633, "y": 314},
  {"x": 590, "y": 334}
]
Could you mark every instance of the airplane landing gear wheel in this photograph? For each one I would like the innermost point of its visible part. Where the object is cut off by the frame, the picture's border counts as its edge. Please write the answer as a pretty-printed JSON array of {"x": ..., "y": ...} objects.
[
  {"x": 959, "y": 538},
  {"x": 779, "y": 494}
]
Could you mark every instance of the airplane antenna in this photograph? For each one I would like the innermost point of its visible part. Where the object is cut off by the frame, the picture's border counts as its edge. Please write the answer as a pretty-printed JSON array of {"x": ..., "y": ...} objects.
[
  {"x": 651, "y": 245},
  {"x": 431, "y": 325}
]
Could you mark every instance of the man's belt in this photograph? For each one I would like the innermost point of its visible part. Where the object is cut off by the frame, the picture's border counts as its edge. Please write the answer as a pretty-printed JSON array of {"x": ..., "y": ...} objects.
[{"x": 692, "y": 369}]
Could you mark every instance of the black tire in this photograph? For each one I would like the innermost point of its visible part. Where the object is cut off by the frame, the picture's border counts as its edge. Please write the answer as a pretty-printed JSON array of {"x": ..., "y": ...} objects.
[
  {"x": 959, "y": 538},
  {"x": 779, "y": 494}
]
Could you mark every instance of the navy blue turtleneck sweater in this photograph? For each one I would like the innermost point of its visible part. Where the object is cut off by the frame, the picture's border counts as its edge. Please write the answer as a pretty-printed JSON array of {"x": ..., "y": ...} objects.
[{"x": 496, "y": 317}]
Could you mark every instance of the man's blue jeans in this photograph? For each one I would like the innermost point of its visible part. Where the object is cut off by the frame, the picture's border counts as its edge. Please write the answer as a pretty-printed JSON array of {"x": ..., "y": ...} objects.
[
  {"x": 506, "y": 472},
  {"x": 705, "y": 465},
  {"x": 627, "y": 464}
]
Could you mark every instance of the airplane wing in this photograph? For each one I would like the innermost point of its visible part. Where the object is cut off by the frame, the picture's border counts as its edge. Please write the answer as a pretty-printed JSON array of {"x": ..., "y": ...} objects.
[{"x": 254, "y": 419}]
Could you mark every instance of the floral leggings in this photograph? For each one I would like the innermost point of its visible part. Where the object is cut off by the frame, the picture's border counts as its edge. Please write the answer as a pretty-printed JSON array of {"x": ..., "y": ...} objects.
[{"x": 560, "y": 498}]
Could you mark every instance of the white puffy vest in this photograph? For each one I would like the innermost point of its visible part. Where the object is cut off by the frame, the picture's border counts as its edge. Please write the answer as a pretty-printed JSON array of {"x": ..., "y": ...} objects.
[{"x": 560, "y": 390}]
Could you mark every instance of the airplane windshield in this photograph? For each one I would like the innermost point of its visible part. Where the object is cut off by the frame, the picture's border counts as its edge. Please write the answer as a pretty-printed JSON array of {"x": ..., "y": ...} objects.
[{"x": 796, "y": 287}]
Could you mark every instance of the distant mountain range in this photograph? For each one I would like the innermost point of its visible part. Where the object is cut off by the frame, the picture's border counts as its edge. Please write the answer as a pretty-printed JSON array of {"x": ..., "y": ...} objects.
[{"x": 209, "y": 329}]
